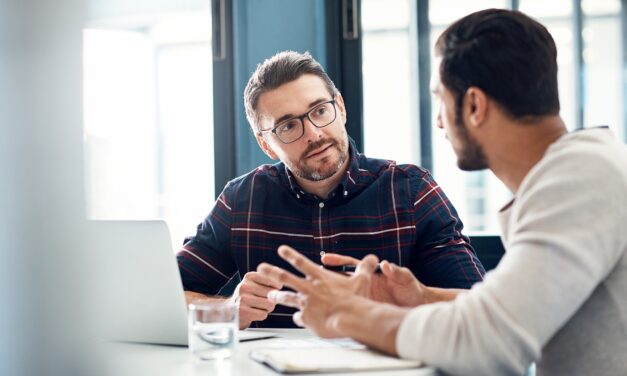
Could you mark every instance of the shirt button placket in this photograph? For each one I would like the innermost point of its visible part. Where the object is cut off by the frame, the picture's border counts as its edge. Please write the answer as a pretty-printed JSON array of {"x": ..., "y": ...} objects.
[{"x": 320, "y": 232}]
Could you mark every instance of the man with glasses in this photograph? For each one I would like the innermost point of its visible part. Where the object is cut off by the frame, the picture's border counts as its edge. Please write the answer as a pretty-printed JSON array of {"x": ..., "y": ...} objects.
[{"x": 323, "y": 198}]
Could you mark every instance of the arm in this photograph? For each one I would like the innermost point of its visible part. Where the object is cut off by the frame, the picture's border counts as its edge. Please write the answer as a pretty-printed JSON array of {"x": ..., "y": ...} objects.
[
  {"x": 206, "y": 264},
  {"x": 443, "y": 256},
  {"x": 558, "y": 252},
  {"x": 194, "y": 297},
  {"x": 205, "y": 261}
]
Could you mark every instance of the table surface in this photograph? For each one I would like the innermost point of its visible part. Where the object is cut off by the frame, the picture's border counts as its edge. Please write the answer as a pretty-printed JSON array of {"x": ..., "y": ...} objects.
[{"x": 142, "y": 359}]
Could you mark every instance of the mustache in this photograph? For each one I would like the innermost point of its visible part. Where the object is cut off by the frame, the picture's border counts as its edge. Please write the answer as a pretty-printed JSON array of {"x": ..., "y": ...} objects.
[{"x": 315, "y": 145}]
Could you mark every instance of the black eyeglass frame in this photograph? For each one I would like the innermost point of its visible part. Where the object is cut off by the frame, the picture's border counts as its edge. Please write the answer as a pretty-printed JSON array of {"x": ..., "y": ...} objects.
[{"x": 302, "y": 121}]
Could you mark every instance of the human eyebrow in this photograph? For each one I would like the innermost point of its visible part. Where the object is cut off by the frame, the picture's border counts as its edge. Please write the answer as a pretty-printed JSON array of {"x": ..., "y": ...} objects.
[{"x": 292, "y": 116}]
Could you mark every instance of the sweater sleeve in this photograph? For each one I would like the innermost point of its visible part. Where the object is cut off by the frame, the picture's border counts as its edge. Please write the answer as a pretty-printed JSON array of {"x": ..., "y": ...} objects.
[{"x": 563, "y": 239}]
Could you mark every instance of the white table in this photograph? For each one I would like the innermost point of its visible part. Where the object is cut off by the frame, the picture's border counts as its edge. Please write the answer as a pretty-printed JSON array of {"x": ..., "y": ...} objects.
[{"x": 138, "y": 359}]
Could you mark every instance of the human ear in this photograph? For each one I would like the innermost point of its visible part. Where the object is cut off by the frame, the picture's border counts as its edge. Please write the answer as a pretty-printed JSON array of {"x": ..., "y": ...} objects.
[
  {"x": 265, "y": 147},
  {"x": 476, "y": 106},
  {"x": 340, "y": 106}
]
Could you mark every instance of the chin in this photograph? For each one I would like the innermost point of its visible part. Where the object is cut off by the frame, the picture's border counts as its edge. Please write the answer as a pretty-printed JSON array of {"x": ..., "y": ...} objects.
[{"x": 471, "y": 165}]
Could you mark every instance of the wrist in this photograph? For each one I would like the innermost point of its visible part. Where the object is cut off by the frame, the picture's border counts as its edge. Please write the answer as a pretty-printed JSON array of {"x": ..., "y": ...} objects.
[{"x": 361, "y": 315}]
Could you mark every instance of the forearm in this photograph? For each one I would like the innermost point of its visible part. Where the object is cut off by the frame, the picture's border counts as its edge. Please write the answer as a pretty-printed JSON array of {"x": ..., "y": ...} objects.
[
  {"x": 436, "y": 294},
  {"x": 194, "y": 297},
  {"x": 376, "y": 329}
]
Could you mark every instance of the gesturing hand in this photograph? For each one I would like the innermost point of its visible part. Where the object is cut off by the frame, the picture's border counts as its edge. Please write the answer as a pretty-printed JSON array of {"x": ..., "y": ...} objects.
[
  {"x": 252, "y": 293},
  {"x": 323, "y": 295},
  {"x": 396, "y": 285}
]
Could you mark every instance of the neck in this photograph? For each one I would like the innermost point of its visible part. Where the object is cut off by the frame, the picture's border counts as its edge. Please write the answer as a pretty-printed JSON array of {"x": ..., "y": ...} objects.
[
  {"x": 520, "y": 146},
  {"x": 323, "y": 188}
]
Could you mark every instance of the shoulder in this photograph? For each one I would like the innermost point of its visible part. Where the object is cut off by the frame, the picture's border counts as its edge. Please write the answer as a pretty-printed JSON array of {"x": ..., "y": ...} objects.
[
  {"x": 590, "y": 161},
  {"x": 262, "y": 175},
  {"x": 386, "y": 167}
]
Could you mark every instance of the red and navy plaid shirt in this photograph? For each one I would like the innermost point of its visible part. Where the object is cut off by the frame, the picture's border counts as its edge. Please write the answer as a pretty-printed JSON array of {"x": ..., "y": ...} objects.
[{"x": 397, "y": 212}]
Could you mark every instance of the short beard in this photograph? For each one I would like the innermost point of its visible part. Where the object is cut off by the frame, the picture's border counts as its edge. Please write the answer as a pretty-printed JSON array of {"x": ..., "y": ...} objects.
[
  {"x": 471, "y": 156},
  {"x": 313, "y": 175}
]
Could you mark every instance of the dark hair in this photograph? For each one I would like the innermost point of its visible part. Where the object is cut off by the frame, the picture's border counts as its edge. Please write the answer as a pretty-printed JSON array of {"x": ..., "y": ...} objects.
[
  {"x": 508, "y": 55},
  {"x": 280, "y": 69}
]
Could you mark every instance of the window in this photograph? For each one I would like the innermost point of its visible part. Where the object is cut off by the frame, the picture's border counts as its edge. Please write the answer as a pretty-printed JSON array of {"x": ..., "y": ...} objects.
[
  {"x": 148, "y": 118},
  {"x": 390, "y": 83},
  {"x": 589, "y": 78},
  {"x": 603, "y": 96}
]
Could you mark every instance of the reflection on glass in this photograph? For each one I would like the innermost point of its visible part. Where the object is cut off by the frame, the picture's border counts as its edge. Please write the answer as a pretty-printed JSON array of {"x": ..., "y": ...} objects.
[{"x": 148, "y": 118}]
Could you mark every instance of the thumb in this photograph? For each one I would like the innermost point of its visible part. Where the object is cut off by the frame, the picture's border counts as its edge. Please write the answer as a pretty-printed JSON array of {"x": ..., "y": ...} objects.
[
  {"x": 367, "y": 265},
  {"x": 397, "y": 274}
]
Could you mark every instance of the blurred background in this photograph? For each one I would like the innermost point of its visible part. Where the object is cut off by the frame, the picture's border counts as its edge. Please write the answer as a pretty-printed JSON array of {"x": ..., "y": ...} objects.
[
  {"x": 119, "y": 109},
  {"x": 164, "y": 121}
]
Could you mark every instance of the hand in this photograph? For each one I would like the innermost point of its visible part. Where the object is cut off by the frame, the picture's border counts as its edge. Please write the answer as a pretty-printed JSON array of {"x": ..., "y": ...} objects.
[
  {"x": 252, "y": 293},
  {"x": 324, "y": 295},
  {"x": 396, "y": 285}
]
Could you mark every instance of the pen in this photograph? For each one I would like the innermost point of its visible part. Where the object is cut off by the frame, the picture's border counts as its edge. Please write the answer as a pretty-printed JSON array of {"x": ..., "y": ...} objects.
[{"x": 347, "y": 268}]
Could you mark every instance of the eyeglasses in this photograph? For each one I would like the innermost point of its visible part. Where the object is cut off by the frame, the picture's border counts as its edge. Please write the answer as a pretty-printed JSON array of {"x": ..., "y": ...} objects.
[{"x": 293, "y": 129}]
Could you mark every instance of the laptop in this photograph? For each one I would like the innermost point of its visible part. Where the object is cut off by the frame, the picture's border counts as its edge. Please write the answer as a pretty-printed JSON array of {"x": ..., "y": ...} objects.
[{"x": 138, "y": 290}]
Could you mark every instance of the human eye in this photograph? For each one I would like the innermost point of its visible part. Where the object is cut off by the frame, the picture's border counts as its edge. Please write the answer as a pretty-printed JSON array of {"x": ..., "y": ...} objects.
[
  {"x": 320, "y": 111},
  {"x": 287, "y": 127}
]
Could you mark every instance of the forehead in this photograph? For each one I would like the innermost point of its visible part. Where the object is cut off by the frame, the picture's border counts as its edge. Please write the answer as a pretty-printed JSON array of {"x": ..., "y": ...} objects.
[
  {"x": 292, "y": 98},
  {"x": 436, "y": 81}
]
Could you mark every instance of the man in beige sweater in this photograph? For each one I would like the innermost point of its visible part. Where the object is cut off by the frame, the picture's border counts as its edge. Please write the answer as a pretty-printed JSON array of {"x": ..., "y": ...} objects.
[{"x": 559, "y": 295}]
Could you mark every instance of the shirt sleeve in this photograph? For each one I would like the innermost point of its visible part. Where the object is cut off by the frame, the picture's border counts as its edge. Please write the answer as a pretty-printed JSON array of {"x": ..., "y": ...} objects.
[
  {"x": 443, "y": 256},
  {"x": 205, "y": 261},
  {"x": 564, "y": 238}
]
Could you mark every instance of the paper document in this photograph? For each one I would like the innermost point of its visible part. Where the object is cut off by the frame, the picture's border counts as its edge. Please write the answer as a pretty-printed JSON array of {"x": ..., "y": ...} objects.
[
  {"x": 252, "y": 335},
  {"x": 328, "y": 359}
]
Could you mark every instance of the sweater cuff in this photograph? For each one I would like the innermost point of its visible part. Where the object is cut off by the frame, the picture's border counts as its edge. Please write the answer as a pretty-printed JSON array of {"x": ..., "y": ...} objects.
[{"x": 407, "y": 341}]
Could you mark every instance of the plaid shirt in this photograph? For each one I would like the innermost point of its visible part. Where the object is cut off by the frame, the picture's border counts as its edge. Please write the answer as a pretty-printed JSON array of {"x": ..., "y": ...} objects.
[{"x": 397, "y": 212}]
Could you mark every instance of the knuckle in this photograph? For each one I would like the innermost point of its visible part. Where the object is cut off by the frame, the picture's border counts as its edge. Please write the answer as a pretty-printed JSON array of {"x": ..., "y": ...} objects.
[
  {"x": 282, "y": 276},
  {"x": 298, "y": 262}
]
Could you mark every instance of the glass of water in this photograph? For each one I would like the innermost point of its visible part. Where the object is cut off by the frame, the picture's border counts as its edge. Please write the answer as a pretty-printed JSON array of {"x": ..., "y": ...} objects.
[{"x": 213, "y": 329}]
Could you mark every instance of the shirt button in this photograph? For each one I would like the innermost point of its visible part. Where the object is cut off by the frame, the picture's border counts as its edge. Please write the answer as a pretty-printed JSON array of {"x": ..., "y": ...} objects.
[
  {"x": 345, "y": 193},
  {"x": 321, "y": 204},
  {"x": 321, "y": 253}
]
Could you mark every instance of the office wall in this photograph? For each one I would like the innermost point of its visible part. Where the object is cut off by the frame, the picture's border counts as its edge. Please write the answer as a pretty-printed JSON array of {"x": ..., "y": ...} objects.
[{"x": 261, "y": 29}]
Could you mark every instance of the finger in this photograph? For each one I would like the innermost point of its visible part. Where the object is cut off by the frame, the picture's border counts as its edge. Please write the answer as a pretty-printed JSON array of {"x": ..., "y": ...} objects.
[
  {"x": 287, "y": 298},
  {"x": 333, "y": 259},
  {"x": 283, "y": 277},
  {"x": 298, "y": 319},
  {"x": 257, "y": 302},
  {"x": 252, "y": 314},
  {"x": 300, "y": 262},
  {"x": 396, "y": 273},
  {"x": 249, "y": 287},
  {"x": 367, "y": 265},
  {"x": 263, "y": 280}
]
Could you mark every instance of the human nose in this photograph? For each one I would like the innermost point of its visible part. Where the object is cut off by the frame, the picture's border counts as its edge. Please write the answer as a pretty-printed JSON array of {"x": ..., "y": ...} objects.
[
  {"x": 311, "y": 131},
  {"x": 438, "y": 119}
]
